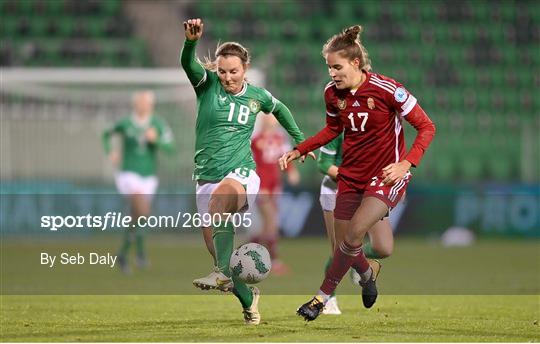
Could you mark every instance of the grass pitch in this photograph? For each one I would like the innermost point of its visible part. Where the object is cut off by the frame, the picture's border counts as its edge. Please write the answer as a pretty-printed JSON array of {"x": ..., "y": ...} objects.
[
  {"x": 488, "y": 292},
  {"x": 217, "y": 318}
]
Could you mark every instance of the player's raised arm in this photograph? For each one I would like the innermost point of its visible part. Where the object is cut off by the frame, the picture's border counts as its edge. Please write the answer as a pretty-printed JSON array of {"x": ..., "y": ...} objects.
[
  {"x": 193, "y": 29},
  {"x": 195, "y": 71}
]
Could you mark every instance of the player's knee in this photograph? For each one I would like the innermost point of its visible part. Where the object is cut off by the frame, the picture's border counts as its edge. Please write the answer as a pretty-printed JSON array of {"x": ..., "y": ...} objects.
[
  {"x": 224, "y": 200},
  {"x": 384, "y": 250},
  {"x": 358, "y": 231},
  {"x": 352, "y": 238},
  {"x": 216, "y": 206}
]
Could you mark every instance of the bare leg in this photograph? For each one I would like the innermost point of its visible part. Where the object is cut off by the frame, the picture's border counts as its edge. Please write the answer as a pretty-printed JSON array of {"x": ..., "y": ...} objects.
[
  {"x": 140, "y": 207},
  {"x": 329, "y": 225},
  {"x": 371, "y": 211},
  {"x": 382, "y": 238}
]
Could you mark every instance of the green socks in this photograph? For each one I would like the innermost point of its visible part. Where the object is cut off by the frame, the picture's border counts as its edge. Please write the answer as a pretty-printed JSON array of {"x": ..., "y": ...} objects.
[
  {"x": 128, "y": 240},
  {"x": 224, "y": 242},
  {"x": 139, "y": 242},
  {"x": 126, "y": 244}
]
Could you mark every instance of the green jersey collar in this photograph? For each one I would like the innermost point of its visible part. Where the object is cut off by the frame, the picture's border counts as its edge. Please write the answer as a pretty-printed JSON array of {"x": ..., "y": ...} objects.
[{"x": 244, "y": 89}]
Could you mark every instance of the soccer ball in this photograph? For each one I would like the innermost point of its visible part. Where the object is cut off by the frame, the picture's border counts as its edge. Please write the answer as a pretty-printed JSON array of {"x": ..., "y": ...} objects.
[{"x": 251, "y": 263}]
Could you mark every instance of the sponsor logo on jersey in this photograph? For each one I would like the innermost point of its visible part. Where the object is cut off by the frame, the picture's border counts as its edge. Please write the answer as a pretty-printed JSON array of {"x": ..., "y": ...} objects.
[
  {"x": 371, "y": 103},
  {"x": 380, "y": 192},
  {"x": 356, "y": 103},
  {"x": 254, "y": 106},
  {"x": 400, "y": 94},
  {"x": 341, "y": 104},
  {"x": 222, "y": 99}
]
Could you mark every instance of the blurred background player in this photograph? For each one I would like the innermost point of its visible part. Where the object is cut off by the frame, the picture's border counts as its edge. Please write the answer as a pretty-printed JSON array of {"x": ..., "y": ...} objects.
[
  {"x": 381, "y": 240},
  {"x": 142, "y": 135},
  {"x": 268, "y": 144},
  {"x": 374, "y": 172},
  {"x": 227, "y": 182}
]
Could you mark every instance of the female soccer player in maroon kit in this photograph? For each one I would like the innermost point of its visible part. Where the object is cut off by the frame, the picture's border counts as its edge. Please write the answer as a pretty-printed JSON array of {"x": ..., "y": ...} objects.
[
  {"x": 374, "y": 174},
  {"x": 268, "y": 144}
]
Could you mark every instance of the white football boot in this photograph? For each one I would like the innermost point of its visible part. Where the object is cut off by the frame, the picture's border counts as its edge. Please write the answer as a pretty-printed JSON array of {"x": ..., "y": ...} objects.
[{"x": 215, "y": 280}]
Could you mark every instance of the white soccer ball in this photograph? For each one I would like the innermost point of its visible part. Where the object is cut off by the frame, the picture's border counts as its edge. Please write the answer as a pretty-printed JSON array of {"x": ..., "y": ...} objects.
[{"x": 251, "y": 263}]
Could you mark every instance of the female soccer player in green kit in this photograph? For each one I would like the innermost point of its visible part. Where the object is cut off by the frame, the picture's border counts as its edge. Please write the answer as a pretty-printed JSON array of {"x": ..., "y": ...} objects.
[
  {"x": 227, "y": 106},
  {"x": 143, "y": 134}
]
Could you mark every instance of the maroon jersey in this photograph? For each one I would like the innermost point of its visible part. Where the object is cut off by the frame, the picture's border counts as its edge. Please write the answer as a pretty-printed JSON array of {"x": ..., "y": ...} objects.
[
  {"x": 267, "y": 148},
  {"x": 371, "y": 119}
]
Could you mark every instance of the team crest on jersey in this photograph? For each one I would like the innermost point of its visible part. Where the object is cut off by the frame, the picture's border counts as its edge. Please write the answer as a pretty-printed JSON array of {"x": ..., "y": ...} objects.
[
  {"x": 341, "y": 104},
  {"x": 222, "y": 99},
  {"x": 254, "y": 106},
  {"x": 371, "y": 103},
  {"x": 400, "y": 94}
]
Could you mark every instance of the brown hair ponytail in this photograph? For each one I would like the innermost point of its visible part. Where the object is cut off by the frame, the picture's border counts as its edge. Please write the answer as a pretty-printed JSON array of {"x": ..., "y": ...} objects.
[{"x": 349, "y": 45}]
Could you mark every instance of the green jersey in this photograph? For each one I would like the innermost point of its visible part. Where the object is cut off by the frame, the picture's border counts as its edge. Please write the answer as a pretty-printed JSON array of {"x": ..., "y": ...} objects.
[
  {"x": 225, "y": 121},
  {"x": 331, "y": 154},
  {"x": 139, "y": 155}
]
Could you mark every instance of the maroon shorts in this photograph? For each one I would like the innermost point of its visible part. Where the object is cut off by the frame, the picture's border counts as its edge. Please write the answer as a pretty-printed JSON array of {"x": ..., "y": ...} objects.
[{"x": 348, "y": 197}]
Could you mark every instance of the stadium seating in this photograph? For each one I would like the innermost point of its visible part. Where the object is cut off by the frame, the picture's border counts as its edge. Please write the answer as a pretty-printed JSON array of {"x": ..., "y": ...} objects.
[
  {"x": 475, "y": 79},
  {"x": 68, "y": 33},
  {"x": 473, "y": 65}
]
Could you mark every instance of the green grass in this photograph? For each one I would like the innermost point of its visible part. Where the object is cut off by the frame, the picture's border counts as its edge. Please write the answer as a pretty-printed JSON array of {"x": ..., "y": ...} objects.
[
  {"x": 217, "y": 318},
  {"x": 488, "y": 292},
  {"x": 490, "y": 267}
]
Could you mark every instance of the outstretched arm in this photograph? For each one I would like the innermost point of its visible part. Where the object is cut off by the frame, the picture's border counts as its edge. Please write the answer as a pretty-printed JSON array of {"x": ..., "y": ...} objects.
[
  {"x": 285, "y": 118},
  {"x": 331, "y": 131},
  {"x": 195, "y": 72}
]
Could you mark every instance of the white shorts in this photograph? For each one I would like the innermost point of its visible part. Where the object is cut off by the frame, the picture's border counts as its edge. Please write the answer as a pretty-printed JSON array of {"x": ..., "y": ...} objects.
[
  {"x": 129, "y": 183},
  {"x": 204, "y": 190},
  {"x": 328, "y": 194}
]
